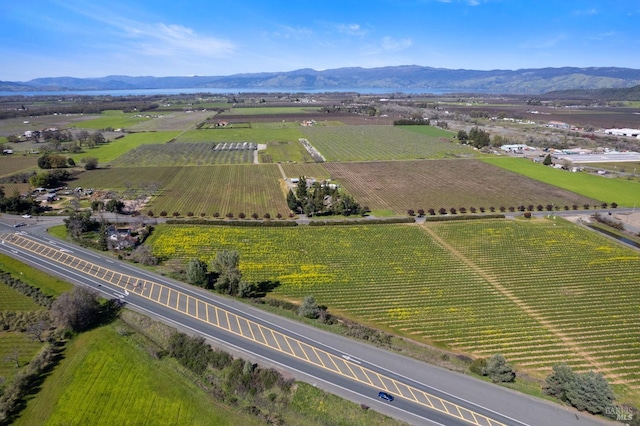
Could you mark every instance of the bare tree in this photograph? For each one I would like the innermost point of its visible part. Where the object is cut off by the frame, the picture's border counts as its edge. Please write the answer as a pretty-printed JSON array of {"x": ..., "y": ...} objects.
[
  {"x": 13, "y": 357},
  {"x": 37, "y": 330},
  {"x": 76, "y": 310}
]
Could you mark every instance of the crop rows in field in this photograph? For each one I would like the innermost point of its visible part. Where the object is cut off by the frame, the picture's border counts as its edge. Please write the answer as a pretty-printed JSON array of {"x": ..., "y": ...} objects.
[
  {"x": 223, "y": 189},
  {"x": 394, "y": 276},
  {"x": 425, "y": 184},
  {"x": 370, "y": 143},
  {"x": 10, "y": 164},
  {"x": 255, "y": 135},
  {"x": 12, "y": 300},
  {"x": 123, "y": 177},
  {"x": 583, "y": 286},
  {"x": 27, "y": 348},
  {"x": 400, "y": 278},
  {"x": 314, "y": 170},
  {"x": 182, "y": 154}
]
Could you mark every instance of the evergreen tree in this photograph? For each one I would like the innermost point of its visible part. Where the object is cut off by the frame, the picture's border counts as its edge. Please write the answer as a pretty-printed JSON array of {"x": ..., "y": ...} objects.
[
  {"x": 292, "y": 201},
  {"x": 196, "y": 272}
]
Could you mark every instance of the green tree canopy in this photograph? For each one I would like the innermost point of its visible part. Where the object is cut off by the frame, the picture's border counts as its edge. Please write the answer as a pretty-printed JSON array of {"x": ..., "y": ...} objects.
[
  {"x": 197, "y": 272},
  {"x": 226, "y": 265}
]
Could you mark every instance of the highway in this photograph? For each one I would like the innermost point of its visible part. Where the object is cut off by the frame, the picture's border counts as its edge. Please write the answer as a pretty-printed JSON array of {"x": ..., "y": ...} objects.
[{"x": 424, "y": 394}]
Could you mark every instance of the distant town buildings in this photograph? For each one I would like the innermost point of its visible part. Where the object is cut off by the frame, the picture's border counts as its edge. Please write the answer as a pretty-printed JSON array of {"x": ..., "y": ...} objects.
[{"x": 632, "y": 133}]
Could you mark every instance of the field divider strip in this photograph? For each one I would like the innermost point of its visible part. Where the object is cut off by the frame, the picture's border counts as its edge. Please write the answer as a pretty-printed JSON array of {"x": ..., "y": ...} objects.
[{"x": 568, "y": 341}]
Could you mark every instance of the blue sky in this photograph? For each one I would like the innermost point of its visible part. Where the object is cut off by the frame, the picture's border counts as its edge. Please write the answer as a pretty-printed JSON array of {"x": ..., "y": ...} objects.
[{"x": 95, "y": 38}]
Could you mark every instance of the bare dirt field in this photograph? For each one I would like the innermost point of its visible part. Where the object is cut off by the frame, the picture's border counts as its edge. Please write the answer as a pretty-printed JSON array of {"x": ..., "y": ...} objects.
[
  {"x": 348, "y": 119},
  {"x": 402, "y": 185}
]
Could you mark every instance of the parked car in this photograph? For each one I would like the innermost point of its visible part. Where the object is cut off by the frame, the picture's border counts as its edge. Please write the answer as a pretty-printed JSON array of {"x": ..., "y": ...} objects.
[
  {"x": 385, "y": 396},
  {"x": 26, "y": 216},
  {"x": 18, "y": 225}
]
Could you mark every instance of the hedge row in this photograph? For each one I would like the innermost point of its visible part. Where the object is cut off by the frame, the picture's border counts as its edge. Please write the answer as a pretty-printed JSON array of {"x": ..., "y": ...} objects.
[
  {"x": 254, "y": 223},
  {"x": 27, "y": 379},
  {"x": 20, "y": 321},
  {"x": 463, "y": 217},
  {"x": 21, "y": 287},
  {"x": 362, "y": 221}
]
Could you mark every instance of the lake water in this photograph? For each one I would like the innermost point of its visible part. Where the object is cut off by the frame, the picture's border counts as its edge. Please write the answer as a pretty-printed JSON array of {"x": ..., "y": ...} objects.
[{"x": 225, "y": 91}]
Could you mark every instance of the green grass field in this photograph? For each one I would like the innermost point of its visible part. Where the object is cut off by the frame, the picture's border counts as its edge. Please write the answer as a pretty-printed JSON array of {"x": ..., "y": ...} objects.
[
  {"x": 114, "y": 149},
  {"x": 114, "y": 119},
  {"x": 104, "y": 379},
  {"x": 535, "y": 305},
  {"x": 12, "y": 300},
  {"x": 623, "y": 192},
  {"x": 370, "y": 143},
  {"x": 46, "y": 283}
]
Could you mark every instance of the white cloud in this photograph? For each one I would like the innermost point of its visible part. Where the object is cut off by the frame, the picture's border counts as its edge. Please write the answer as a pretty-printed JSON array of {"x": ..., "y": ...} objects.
[
  {"x": 351, "y": 29},
  {"x": 389, "y": 43},
  {"x": 170, "y": 39},
  {"x": 586, "y": 12}
]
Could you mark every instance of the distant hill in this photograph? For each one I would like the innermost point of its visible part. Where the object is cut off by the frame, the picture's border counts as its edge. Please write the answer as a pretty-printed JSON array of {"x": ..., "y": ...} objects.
[
  {"x": 409, "y": 77},
  {"x": 621, "y": 94}
]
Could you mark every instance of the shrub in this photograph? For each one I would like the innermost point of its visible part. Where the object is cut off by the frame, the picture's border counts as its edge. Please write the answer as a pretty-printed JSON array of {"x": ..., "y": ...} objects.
[
  {"x": 190, "y": 214},
  {"x": 477, "y": 366},
  {"x": 410, "y": 212},
  {"x": 242, "y": 215},
  {"x": 175, "y": 214},
  {"x": 587, "y": 392},
  {"x": 309, "y": 308},
  {"x": 499, "y": 370},
  {"x": 163, "y": 213},
  {"x": 527, "y": 215}
]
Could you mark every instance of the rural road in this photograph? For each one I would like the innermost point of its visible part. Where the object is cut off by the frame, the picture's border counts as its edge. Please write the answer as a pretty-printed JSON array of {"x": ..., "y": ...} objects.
[{"x": 425, "y": 394}]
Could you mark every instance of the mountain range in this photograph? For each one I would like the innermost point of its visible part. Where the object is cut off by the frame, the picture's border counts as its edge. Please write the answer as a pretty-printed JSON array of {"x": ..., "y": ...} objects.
[{"x": 396, "y": 78}]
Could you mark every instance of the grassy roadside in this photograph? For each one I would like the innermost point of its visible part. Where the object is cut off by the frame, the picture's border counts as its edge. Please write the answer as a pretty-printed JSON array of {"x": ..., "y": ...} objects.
[
  {"x": 34, "y": 277},
  {"x": 115, "y": 375}
]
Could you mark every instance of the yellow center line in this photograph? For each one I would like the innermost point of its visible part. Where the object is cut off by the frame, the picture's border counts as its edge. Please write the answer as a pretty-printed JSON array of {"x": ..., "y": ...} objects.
[{"x": 305, "y": 351}]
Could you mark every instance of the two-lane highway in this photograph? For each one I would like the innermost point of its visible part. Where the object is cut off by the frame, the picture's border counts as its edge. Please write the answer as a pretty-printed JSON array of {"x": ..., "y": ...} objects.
[{"x": 424, "y": 394}]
